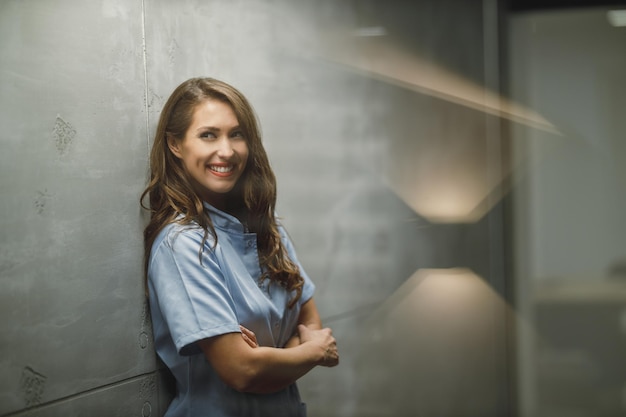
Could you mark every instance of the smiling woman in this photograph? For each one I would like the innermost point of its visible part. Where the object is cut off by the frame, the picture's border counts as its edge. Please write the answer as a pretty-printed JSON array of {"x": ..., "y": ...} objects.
[{"x": 233, "y": 312}]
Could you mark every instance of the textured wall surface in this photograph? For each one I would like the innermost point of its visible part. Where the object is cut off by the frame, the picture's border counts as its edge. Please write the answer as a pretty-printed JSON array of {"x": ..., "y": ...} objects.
[
  {"x": 74, "y": 149},
  {"x": 358, "y": 143}
]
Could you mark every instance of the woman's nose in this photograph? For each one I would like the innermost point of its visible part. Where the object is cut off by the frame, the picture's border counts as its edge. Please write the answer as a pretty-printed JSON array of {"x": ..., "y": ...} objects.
[{"x": 225, "y": 149}]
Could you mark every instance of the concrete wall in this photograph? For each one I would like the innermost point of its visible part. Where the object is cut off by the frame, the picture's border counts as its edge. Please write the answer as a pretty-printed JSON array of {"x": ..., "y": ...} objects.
[{"x": 389, "y": 171}]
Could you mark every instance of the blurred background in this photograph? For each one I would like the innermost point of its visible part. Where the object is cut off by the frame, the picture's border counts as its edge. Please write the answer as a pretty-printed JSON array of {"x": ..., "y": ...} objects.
[{"x": 452, "y": 173}]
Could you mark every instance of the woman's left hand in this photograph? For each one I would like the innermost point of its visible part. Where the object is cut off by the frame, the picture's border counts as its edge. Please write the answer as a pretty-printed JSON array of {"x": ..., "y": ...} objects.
[{"x": 249, "y": 337}]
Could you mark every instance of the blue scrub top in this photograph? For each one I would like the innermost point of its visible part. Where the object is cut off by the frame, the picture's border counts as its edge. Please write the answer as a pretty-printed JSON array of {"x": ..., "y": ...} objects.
[{"x": 191, "y": 301}]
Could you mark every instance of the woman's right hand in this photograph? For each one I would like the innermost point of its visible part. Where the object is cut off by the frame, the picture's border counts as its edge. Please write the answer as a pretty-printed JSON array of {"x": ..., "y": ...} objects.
[
  {"x": 324, "y": 340},
  {"x": 249, "y": 337}
]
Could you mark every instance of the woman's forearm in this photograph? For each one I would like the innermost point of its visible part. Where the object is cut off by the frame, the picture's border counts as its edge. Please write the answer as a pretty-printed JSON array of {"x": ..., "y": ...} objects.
[
  {"x": 246, "y": 367},
  {"x": 274, "y": 369},
  {"x": 266, "y": 369}
]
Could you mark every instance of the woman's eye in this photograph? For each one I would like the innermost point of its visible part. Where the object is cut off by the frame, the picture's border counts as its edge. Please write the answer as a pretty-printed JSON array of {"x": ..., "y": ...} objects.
[
  {"x": 207, "y": 135},
  {"x": 237, "y": 134}
]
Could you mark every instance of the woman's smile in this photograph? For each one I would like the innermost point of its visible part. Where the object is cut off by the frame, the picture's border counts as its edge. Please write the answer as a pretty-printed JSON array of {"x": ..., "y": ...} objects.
[{"x": 221, "y": 170}]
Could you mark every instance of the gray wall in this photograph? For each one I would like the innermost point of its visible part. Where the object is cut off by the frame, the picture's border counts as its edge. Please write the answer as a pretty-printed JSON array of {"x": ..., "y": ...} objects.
[
  {"x": 570, "y": 231},
  {"x": 359, "y": 140}
]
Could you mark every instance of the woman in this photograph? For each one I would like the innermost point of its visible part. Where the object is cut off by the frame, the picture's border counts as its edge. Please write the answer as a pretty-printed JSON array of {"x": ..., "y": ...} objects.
[{"x": 233, "y": 312}]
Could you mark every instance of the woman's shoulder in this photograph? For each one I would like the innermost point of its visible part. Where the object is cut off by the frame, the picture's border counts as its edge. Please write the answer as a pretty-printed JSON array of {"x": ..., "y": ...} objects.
[{"x": 177, "y": 233}]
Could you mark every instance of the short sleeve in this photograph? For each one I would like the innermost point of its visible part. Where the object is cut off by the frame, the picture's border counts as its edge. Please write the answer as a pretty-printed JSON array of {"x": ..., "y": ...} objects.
[
  {"x": 193, "y": 297},
  {"x": 309, "y": 287}
]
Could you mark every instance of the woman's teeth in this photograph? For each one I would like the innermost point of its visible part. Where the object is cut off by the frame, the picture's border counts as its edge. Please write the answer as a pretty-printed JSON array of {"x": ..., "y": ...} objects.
[{"x": 221, "y": 169}]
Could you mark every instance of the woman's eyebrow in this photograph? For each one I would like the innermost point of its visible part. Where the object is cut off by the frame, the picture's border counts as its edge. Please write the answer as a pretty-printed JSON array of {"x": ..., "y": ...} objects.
[
  {"x": 211, "y": 128},
  {"x": 217, "y": 129}
]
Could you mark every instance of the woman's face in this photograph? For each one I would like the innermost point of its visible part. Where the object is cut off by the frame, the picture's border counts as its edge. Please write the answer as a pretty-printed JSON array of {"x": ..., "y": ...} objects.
[{"x": 214, "y": 151}]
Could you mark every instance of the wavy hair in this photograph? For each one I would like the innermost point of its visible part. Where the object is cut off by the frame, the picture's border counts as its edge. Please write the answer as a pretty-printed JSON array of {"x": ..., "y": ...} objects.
[{"x": 171, "y": 194}]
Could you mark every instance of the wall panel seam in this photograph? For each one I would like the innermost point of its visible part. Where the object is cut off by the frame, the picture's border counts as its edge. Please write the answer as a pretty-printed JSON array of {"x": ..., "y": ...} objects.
[{"x": 145, "y": 73}]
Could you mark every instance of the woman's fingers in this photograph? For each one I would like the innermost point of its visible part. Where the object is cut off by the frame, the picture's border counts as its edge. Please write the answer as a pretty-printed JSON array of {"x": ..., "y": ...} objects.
[
  {"x": 324, "y": 338},
  {"x": 249, "y": 337},
  {"x": 331, "y": 357}
]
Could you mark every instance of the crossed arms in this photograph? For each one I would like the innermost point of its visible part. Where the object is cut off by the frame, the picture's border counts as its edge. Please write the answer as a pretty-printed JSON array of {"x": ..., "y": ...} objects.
[{"x": 247, "y": 367}]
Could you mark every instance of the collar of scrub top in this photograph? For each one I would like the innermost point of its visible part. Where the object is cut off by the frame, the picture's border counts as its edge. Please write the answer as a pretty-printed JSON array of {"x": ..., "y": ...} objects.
[{"x": 223, "y": 220}]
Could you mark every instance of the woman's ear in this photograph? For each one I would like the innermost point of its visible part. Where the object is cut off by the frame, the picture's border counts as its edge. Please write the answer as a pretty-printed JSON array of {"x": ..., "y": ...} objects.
[{"x": 173, "y": 144}]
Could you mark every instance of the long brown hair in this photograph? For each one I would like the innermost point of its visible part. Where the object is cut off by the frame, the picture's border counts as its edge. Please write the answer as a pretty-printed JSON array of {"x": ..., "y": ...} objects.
[{"x": 171, "y": 194}]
